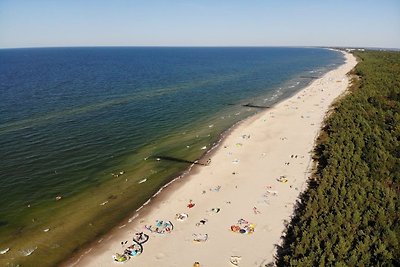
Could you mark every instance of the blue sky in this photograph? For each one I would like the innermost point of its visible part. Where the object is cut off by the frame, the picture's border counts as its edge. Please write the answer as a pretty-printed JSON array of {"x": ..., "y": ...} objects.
[{"x": 38, "y": 23}]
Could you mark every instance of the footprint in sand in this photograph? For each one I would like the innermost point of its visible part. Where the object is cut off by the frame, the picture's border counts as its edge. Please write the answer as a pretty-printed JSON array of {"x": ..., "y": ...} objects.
[
  {"x": 160, "y": 256},
  {"x": 235, "y": 251},
  {"x": 266, "y": 228}
]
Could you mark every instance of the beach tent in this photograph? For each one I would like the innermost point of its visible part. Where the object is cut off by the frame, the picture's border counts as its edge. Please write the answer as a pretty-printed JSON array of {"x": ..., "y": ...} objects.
[
  {"x": 141, "y": 238},
  {"x": 235, "y": 260},
  {"x": 134, "y": 249},
  {"x": 161, "y": 227}
]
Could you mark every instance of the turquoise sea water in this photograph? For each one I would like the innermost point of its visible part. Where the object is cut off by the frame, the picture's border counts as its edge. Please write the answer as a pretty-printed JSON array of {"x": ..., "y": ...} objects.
[{"x": 70, "y": 117}]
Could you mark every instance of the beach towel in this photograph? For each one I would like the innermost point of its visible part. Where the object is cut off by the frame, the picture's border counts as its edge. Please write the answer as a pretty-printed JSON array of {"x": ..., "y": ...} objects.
[
  {"x": 120, "y": 258},
  {"x": 200, "y": 237},
  {"x": 161, "y": 227},
  {"x": 244, "y": 227}
]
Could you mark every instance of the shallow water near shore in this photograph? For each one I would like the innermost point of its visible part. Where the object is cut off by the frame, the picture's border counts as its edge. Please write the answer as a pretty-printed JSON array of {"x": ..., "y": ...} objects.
[{"x": 70, "y": 117}]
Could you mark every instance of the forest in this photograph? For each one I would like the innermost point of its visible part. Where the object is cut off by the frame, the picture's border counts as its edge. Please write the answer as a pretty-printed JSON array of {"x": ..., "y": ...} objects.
[{"x": 350, "y": 213}]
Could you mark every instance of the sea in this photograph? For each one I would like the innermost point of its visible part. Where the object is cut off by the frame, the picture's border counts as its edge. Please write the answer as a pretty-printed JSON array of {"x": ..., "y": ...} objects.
[{"x": 87, "y": 135}]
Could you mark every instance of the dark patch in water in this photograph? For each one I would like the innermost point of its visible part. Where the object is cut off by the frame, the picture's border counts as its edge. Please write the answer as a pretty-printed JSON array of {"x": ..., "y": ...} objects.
[
  {"x": 309, "y": 77},
  {"x": 178, "y": 160},
  {"x": 254, "y": 106}
]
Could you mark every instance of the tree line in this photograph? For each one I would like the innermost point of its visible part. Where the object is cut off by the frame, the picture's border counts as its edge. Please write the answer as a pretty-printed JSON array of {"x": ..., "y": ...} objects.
[{"x": 350, "y": 213}]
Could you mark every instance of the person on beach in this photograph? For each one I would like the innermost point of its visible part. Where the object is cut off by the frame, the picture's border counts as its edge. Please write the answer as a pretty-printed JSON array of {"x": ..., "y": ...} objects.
[
  {"x": 202, "y": 222},
  {"x": 191, "y": 204},
  {"x": 140, "y": 236}
]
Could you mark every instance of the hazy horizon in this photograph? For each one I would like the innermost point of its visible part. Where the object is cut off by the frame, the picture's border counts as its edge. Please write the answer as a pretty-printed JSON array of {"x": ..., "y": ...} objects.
[
  {"x": 179, "y": 23},
  {"x": 194, "y": 46}
]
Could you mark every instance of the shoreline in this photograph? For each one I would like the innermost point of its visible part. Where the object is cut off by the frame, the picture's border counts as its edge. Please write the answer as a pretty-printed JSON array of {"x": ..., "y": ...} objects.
[{"x": 110, "y": 243}]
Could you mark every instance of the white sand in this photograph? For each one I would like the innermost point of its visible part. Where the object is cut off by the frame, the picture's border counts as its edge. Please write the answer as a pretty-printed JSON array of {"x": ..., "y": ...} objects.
[{"x": 289, "y": 128}]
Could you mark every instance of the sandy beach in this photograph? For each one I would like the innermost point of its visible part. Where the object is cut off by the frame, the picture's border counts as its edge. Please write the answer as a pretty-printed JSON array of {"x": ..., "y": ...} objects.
[{"x": 236, "y": 206}]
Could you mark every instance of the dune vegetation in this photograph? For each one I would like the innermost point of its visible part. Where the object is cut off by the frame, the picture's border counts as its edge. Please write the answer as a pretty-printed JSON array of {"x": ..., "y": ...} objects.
[{"x": 350, "y": 214}]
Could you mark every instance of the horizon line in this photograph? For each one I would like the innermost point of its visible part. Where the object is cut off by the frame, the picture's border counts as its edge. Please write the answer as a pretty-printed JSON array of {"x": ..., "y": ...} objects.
[{"x": 196, "y": 46}]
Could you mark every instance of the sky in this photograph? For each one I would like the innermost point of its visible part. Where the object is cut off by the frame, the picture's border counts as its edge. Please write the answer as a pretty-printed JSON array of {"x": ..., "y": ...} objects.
[{"x": 49, "y": 23}]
